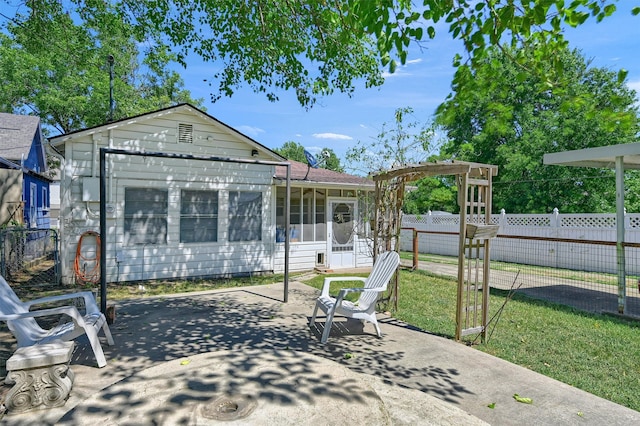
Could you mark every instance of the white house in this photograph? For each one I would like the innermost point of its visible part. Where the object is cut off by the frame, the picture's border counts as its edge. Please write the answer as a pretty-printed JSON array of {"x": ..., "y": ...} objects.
[{"x": 173, "y": 217}]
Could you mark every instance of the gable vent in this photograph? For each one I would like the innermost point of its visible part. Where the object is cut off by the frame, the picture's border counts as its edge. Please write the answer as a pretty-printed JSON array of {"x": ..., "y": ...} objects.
[{"x": 185, "y": 133}]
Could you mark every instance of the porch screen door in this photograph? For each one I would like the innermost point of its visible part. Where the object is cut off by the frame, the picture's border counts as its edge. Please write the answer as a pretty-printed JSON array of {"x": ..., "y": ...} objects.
[{"x": 341, "y": 238}]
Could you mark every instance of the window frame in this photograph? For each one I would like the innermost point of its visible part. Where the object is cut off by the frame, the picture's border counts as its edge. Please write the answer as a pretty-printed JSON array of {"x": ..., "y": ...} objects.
[
  {"x": 237, "y": 234},
  {"x": 135, "y": 218},
  {"x": 202, "y": 237}
]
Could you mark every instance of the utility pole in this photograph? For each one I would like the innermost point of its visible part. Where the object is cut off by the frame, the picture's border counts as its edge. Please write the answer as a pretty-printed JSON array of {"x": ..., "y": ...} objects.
[{"x": 111, "y": 61}]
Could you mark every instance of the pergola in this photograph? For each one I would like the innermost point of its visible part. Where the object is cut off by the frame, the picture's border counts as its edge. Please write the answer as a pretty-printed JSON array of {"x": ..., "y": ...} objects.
[
  {"x": 619, "y": 157},
  {"x": 474, "y": 182}
]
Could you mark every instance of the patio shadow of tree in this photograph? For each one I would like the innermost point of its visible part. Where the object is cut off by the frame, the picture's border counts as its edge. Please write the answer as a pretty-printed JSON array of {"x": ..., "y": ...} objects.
[{"x": 263, "y": 349}]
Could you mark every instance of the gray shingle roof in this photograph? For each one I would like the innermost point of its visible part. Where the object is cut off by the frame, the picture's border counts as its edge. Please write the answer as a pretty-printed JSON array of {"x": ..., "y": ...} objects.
[
  {"x": 16, "y": 135},
  {"x": 299, "y": 170}
]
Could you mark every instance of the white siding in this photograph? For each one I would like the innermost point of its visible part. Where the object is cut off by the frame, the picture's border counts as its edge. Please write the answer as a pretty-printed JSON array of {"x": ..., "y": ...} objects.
[
  {"x": 174, "y": 259},
  {"x": 302, "y": 256}
]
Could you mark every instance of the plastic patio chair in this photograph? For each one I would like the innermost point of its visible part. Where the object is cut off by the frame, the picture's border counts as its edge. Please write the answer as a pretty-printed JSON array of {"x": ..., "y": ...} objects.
[
  {"x": 365, "y": 308},
  {"x": 23, "y": 325}
]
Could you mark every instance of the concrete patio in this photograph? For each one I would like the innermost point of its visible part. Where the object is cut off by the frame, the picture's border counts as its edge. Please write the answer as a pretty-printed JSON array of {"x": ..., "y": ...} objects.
[{"x": 196, "y": 358}]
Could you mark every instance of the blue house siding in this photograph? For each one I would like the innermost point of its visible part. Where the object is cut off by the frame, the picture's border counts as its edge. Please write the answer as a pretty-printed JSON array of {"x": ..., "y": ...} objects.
[
  {"x": 22, "y": 148},
  {"x": 36, "y": 201},
  {"x": 35, "y": 160}
]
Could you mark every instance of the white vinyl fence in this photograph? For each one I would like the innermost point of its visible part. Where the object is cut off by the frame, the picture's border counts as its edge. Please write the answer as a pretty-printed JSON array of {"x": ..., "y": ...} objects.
[{"x": 593, "y": 257}]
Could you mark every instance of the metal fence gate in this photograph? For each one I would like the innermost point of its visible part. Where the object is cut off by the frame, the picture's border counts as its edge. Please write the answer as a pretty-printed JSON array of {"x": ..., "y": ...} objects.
[{"x": 29, "y": 257}]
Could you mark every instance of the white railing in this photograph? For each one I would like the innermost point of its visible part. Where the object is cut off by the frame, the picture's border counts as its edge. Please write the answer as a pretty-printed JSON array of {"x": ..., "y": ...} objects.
[{"x": 559, "y": 254}]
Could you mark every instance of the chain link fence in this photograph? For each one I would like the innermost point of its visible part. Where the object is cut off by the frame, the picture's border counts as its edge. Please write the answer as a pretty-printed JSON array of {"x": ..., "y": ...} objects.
[{"x": 29, "y": 257}]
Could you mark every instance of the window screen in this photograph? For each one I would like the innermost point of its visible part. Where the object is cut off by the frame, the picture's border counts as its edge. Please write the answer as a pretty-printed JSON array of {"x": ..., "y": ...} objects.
[
  {"x": 245, "y": 216},
  {"x": 198, "y": 216},
  {"x": 145, "y": 216}
]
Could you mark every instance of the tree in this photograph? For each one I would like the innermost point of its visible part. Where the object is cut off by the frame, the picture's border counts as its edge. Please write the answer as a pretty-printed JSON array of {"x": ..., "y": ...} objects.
[
  {"x": 503, "y": 117},
  {"x": 294, "y": 151},
  {"x": 316, "y": 47},
  {"x": 431, "y": 194},
  {"x": 406, "y": 141},
  {"x": 57, "y": 69}
]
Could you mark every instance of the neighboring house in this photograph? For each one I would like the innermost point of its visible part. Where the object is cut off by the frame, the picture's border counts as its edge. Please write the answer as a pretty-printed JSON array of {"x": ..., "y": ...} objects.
[
  {"x": 179, "y": 218},
  {"x": 24, "y": 185}
]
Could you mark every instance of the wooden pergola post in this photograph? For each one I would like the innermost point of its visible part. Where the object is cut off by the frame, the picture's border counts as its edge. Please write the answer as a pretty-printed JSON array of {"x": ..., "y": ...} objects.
[{"x": 474, "y": 199}]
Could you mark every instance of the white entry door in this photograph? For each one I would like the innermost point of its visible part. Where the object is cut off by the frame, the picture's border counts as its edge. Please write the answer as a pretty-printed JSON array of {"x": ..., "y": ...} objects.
[{"x": 342, "y": 234}]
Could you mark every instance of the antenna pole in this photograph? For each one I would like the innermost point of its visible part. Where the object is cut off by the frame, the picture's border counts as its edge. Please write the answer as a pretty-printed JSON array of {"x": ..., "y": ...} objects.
[{"x": 111, "y": 61}]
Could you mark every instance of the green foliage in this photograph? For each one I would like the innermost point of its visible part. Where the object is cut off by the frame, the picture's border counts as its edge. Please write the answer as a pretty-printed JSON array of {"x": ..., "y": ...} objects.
[
  {"x": 432, "y": 193},
  {"x": 56, "y": 66},
  {"x": 405, "y": 142},
  {"x": 509, "y": 118},
  {"x": 331, "y": 162},
  {"x": 294, "y": 151},
  {"x": 316, "y": 47}
]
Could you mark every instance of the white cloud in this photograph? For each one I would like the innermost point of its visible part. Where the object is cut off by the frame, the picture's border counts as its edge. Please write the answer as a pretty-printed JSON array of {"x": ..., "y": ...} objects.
[
  {"x": 634, "y": 85},
  {"x": 250, "y": 130},
  {"x": 336, "y": 136},
  {"x": 401, "y": 70},
  {"x": 398, "y": 73}
]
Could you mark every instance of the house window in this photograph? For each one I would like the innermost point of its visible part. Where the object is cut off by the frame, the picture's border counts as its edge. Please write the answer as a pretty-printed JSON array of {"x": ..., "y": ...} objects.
[
  {"x": 198, "y": 216},
  {"x": 321, "y": 220},
  {"x": 33, "y": 205},
  {"x": 307, "y": 214},
  {"x": 45, "y": 199},
  {"x": 145, "y": 216},
  {"x": 295, "y": 217},
  {"x": 185, "y": 133},
  {"x": 307, "y": 219},
  {"x": 245, "y": 216}
]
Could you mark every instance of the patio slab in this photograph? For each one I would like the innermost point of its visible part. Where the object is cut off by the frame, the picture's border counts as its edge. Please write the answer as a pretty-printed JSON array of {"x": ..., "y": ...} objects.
[{"x": 191, "y": 349}]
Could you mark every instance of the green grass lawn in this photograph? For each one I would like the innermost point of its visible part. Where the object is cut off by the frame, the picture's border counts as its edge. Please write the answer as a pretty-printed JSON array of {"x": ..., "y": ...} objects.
[{"x": 596, "y": 353}]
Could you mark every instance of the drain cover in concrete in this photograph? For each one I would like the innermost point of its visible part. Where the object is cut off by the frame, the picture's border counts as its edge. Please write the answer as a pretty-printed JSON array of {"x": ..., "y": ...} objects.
[{"x": 260, "y": 388}]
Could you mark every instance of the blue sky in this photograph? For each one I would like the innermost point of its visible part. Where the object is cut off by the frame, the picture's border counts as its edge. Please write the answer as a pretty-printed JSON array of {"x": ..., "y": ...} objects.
[{"x": 339, "y": 122}]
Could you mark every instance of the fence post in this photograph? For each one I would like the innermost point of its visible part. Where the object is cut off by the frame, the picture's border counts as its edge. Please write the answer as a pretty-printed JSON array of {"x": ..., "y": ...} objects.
[
  {"x": 503, "y": 220},
  {"x": 555, "y": 218},
  {"x": 627, "y": 221},
  {"x": 415, "y": 248},
  {"x": 554, "y": 223}
]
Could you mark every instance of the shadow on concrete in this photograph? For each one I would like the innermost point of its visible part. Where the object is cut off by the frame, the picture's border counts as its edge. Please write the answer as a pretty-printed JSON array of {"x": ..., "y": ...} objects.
[
  {"x": 583, "y": 299},
  {"x": 244, "y": 331}
]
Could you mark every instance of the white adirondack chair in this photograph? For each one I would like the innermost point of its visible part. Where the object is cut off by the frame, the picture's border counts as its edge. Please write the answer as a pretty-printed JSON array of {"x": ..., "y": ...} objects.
[
  {"x": 28, "y": 332},
  {"x": 365, "y": 308}
]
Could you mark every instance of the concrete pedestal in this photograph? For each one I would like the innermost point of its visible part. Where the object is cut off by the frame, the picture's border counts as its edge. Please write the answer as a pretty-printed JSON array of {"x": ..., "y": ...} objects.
[{"x": 40, "y": 375}]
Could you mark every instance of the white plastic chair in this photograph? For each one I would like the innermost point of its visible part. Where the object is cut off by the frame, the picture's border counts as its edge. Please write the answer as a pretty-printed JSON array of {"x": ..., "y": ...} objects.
[
  {"x": 365, "y": 308},
  {"x": 28, "y": 332}
]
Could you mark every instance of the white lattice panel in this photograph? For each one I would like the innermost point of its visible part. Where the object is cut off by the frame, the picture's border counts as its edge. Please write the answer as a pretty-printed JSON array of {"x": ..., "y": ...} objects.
[
  {"x": 595, "y": 221},
  {"x": 445, "y": 220},
  {"x": 408, "y": 220},
  {"x": 528, "y": 220},
  {"x": 634, "y": 221}
]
